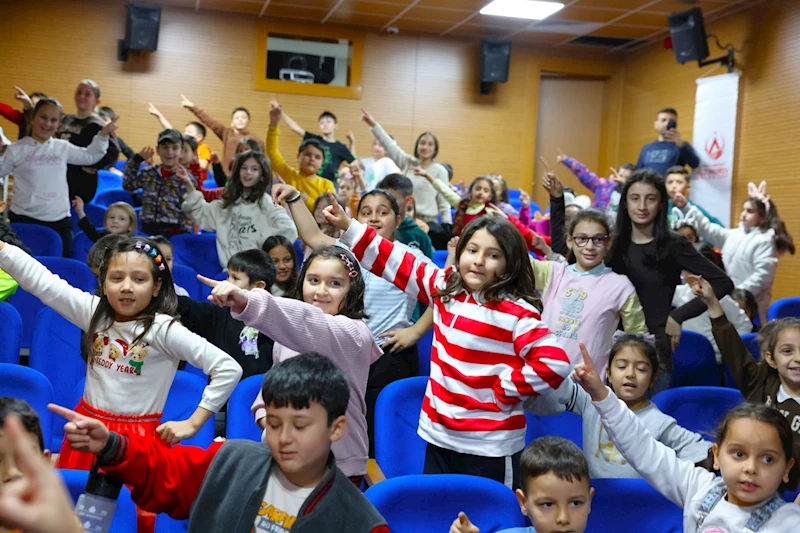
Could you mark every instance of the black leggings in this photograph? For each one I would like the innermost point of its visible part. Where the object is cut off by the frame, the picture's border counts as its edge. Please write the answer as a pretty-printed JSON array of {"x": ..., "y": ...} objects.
[
  {"x": 63, "y": 227},
  {"x": 503, "y": 469}
]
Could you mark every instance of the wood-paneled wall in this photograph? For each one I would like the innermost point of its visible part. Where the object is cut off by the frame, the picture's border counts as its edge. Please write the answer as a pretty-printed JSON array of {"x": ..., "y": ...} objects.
[
  {"x": 411, "y": 83},
  {"x": 769, "y": 109}
]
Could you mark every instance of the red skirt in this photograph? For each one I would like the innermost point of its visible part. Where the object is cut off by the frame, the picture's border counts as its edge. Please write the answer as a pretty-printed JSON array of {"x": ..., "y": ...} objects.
[{"x": 143, "y": 426}]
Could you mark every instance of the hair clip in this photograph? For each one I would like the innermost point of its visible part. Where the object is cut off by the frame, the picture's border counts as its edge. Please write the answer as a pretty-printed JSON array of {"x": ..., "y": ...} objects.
[
  {"x": 158, "y": 258},
  {"x": 146, "y": 247},
  {"x": 153, "y": 253},
  {"x": 161, "y": 266},
  {"x": 759, "y": 193},
  {"x": 139, "y": 245},
  {"x": 352, "y": 271}
]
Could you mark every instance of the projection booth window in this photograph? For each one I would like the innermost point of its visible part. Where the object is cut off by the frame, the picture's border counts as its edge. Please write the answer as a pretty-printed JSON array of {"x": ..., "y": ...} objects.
[{"x": 309, "y": 60}]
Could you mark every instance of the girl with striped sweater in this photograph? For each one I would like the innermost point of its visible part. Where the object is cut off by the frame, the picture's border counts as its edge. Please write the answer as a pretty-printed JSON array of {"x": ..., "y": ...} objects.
[{"x": 490, "y": 351}]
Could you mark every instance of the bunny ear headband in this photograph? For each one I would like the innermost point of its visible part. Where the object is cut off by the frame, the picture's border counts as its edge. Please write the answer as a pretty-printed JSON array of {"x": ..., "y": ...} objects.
[
  {"x": 679, "y": 219},
  {"x": 759, "y": 193}
]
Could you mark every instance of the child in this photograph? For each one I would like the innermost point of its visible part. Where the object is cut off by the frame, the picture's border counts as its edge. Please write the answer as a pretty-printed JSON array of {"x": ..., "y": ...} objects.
[
  {"x": 500, "y": 188},
  {"x": 37, "y": 501},
  {"x": 39, "y": 164},
  {"x": 190, "y": 161},
  {"x": 349, "y": 189},
  {"x": 653, "y": 258},
  {"x": 389, "y": 309},
  {"x": 108, "y": 115},
  {"x": 482, "y": 199},
  {"x": 310, "y": 156},
  {"x": 555, "y": 492},
  {"x": 10, "y": 471},
  {"x": 669, "y": 150},
  {"x": 21, "y": 118},
  {"x": 678, "y": 182},
  {"x": 327, "y": 316},
  {"x": 748, "y": 251},
  {"x": 133, "y": 342},
  {"x": 229, "y": 135},
  {"x": 169, "y": 258},
  {"x": 702, "y": 323},
  {"x": 120, "y": 219},
  {"x": 632, "y": 368},
  {"x": 196, "y": 130},
  {"x": 245, "y": 216},
  {"x": 685, "y": 225},
  {"x": 162, "y": 186},
  {"x": 380, "y": 167},
  {"x": 97, "y": 253},
  {"x": 408, "y": 232},
  {"x": 80, "y": 128},
  {"x": 248, "y": 270},
  {"x": 606, "y": 191},
  {"x": 284, "y": 256},
  {"x": 490, "y": 347},
  {"x": 291, "y": 482},
  {"x": 585, "y": 298},
  {"x": 221, "y": 174},
  {"x": 752, "y": 452},
  {"x": 429, "y": 203},
  {"x": 747, "y": 302},
  {"x": 335, "y": 151},
  {"x": 775, "y": 380}
]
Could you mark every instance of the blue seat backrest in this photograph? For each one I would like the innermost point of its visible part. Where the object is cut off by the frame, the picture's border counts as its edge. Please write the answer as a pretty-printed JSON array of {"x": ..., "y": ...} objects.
[
  {"x": 652, "y": 513},
  {"x": 198, "y": 252},
  {"x": 125, "y": 514},
  {"x": 698, "y": 409},
  {"x": 240, "y": 423},
  {"x": 12, "y": 331},
  {"x": 32, "y": 386},
  {"x": 399, "y": 451},
  {"x": 185, "y": 277},
  {"x": 694, "y": 361},
  {"x": 41, "y": 240}
]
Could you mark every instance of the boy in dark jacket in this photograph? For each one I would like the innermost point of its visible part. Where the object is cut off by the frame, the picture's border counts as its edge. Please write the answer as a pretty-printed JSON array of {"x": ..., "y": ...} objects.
[
  {"x": 250, "y": 269},
  {"x": 236, "y": 486}
]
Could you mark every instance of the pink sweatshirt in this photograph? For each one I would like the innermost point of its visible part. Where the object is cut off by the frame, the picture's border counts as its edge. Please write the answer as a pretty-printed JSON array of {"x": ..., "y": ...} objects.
[{"x": 298, "y": 327}]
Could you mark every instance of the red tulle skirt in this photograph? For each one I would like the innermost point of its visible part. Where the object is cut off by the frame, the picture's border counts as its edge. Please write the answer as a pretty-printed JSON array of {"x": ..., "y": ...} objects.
[{"x": 143, "y": 426}]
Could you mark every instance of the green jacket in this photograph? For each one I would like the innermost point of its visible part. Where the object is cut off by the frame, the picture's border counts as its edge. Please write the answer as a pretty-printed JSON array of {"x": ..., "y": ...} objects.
[{"x": 7, "y": 286}]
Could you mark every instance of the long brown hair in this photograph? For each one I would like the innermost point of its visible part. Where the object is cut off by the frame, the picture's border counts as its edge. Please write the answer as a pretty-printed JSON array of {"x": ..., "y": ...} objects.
[
  {"x": 165, "y": 302},
  {"x": 234, "y": 188},
  {"x": 517, "y": 283}
]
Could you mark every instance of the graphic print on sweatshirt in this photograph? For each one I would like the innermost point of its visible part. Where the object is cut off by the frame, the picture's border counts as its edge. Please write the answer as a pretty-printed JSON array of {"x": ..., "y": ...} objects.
[
  {"x": 240, "y": 225},
  {"x": 608, "y": 450},
  {"x": 116, "y": 355},
  {"x": 570, "y": 317}
]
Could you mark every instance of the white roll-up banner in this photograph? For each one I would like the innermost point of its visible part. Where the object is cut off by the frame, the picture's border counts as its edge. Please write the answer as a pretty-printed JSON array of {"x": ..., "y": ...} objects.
[{"x": 714, "y": 135}]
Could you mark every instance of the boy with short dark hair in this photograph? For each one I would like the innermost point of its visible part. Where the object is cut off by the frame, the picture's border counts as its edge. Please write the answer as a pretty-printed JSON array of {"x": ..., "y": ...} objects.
[
  {"x": 310, "y": 157},
  {"x": 230, "y": 135},
  {"x": 33, "y": 434},
  {"x": 249, "y": 269},
  {"x": 678, "y": 181},
  {"x": 291, "y": 483},
  {"x": 670, "y": 149},
  {"x": 335, "y": 151},
  {"x": 195, "y": 129},
  {"x": 162, "y": 188},
  {"x": 408, "y": 232},
  {"x": 554, "y": 470}
]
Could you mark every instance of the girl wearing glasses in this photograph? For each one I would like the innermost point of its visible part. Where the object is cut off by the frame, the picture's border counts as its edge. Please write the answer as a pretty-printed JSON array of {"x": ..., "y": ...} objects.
[{"x": 583, "y": 299}]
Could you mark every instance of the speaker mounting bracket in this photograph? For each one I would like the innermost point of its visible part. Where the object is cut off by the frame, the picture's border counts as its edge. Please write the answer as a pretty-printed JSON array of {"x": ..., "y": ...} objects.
[{"x": 727, "y": 60}]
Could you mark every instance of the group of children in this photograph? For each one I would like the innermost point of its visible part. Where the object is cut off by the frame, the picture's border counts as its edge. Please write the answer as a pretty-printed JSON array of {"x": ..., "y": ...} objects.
[{"x": 508, "y": 330}]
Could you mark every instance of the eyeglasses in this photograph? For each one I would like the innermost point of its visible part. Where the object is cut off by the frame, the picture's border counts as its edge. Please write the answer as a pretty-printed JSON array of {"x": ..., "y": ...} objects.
[{"x": 583, "y": 240}]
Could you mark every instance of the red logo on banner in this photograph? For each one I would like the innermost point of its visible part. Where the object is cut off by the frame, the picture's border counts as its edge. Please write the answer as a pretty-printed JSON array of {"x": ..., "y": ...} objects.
[{"x": 715, "y": 146}]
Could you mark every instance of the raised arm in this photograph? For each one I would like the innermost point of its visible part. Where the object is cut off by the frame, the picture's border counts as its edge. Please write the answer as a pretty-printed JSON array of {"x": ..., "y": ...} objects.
[
  {"x": 77, "y": 155},
  {"x": 569, "y": 396},
  {"x": 216, "y": 126},
  {"x": 444, "y": 190},
  {"x": 632, "y": 315},
  {"x": 204, "y": 214},
  {"x": 393, "y": 150},
  {"x": 715, "y": 234},
  {"x": 294, "y": 126},
  {"x": 160, "y": 116},
  {"x": 657, "y": 464},
  {"x": 73, "y": 304},
  {"x": 690, "y": 260},
  {"x": 132, "y": 179},
  {"x": 558, "y": 217}
]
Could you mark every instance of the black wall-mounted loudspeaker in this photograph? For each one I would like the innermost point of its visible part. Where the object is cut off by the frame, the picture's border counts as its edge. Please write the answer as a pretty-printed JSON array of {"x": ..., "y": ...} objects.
[
  {"x": 141, "y": 27},
  {"x": 495, "y": 59},
  {"x": 688, "y": 33}
]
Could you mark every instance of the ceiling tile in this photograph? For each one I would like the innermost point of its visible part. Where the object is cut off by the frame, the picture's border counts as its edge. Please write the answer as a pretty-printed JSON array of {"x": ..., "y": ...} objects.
[
  {"x": 239, "y": 6},
  {"x": 422, "y": 25},
  {"x": 509, "y": 23},
  {"x": 585, "y": 14},
  {"x": 378, "y": 8},
  {"x": 318, "y": 4},
  {"x": 468, "y": 5},
  {"x": 177, "y": 3},
  {"x": 676, "y": 6},
  {"x": 538, "y": 37},
  {"x": 624, "y": 32},
  {"x": 359, "y": 19},
  {"x": 646, "y": 19},
  {"x": 432, "y": 13},
  {"x": 616, "y": 4},
  {"x": 284, "y": 11},
  {"x": 567, "y": 27}
]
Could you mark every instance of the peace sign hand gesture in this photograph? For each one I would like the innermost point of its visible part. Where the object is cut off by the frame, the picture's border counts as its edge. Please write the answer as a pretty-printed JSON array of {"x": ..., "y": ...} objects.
[{"x": 585, "y": 374}]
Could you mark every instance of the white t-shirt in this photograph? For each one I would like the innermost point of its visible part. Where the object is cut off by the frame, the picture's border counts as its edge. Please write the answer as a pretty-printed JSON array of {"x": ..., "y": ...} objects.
[{"x": 281, "y": 504}]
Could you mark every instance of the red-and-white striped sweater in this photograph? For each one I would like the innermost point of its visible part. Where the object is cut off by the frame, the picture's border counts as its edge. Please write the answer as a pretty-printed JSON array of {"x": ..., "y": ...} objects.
[{"x": 487, "y": 357}]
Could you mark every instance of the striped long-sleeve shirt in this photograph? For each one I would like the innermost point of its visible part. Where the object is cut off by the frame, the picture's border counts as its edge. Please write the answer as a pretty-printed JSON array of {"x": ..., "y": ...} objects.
[{"x": 486, "y": 358}]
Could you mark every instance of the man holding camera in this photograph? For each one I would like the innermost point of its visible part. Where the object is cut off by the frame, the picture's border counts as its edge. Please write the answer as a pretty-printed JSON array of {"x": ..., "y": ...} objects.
[{"x": 670, "y": 149}]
